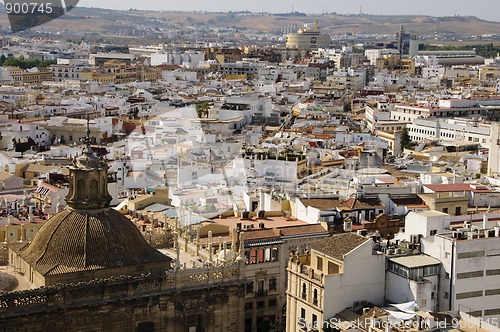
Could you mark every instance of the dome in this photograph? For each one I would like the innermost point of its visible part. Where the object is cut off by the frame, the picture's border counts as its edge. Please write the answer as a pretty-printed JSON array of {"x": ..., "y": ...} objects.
[
  {"x": 229, "y": 255},
  {"x": 74, "y": 241},
  {"x": 7, "y": 282}
]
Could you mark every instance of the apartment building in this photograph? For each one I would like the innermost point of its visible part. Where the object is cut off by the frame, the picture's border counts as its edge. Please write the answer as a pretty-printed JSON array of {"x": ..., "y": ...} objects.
[
  {"x": 470, "y": 269},
  {"x": 451, "y": 129},
  {"x": 327, "y": 280}
]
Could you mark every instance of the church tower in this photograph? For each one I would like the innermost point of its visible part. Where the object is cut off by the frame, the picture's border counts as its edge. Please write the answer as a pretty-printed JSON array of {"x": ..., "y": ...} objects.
[
  {"x": 88, "y": 177},
  {"x": 87, "y": 240}
]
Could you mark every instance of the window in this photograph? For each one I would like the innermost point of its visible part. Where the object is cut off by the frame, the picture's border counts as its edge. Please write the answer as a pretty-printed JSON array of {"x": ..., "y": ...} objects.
[
  {"x": 272, "y": 284},
  {"x": 433, "y": 232},
  {"x": 473, "y": 274},
  {"x": 147, "y": 327},
  {"x": 260, "y": 286},
  {"x": 272, "y": 303},
  {"x": 319, "y": 263},
  {"x": 315, "y": 297},
  {"x": 471, "y": 254},
  {"x": 445, "y": 295},
  {"x": 304, "y": 291},
  {"x": 468, "y": 295},
  {"x": 250, "y": 287},
  {"x": 302, "y": 313},
  {"x": 332, "y": 268},
  {"x": 493, "y": 272},
  {"x": 458, "y": 210},
  {"x": 445, "y": 210},
  {"x": 314, "y": 319}
]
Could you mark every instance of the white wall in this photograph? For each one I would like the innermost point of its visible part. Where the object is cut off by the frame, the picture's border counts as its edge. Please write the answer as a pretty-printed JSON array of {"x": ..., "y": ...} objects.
[{"x": 363, "y": 280}]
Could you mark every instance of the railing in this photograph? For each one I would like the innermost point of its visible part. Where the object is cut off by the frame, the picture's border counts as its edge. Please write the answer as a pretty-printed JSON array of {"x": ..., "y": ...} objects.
[{"x": 116, "y": 289}]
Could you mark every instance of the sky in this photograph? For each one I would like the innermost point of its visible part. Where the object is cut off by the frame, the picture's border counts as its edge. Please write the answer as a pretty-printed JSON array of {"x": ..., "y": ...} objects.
[{"x": 484, "y": 9}]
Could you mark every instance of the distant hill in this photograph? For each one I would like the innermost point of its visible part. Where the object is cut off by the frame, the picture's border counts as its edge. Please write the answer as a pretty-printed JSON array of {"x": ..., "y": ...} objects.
[{"x": 105, "y": 20}]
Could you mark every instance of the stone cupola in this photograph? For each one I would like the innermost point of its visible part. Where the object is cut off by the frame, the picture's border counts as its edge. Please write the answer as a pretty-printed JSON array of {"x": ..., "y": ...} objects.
[{"x": 88, "y": 177}]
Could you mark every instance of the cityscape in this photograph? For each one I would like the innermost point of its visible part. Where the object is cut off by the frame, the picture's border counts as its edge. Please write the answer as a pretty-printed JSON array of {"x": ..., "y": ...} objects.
[{"x": 172, "y": 170}]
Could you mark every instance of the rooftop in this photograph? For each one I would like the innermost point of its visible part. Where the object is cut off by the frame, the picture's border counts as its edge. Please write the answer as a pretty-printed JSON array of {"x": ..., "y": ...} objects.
[
  {"x": 338, "y": 245},
  {"x": 415, "y": 261}
]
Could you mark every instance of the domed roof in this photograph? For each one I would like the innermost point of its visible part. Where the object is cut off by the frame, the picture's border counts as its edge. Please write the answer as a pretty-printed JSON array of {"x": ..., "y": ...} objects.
[
  {"x": 229, "y": 255},
  {"x": 7, "y": 282},
  {"x": 74, "y": 241}
]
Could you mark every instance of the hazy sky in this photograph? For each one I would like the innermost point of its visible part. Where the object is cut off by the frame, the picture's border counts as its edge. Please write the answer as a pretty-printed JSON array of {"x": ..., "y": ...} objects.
[{"x": 485, "y": 9}]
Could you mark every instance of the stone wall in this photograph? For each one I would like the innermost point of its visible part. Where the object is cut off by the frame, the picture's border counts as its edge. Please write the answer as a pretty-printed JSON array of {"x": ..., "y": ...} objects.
[{"x": 210, "y": 299}]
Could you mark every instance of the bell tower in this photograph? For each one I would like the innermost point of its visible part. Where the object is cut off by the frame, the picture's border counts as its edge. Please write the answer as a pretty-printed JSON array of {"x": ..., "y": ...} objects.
[{"x": 88, "y": 180}]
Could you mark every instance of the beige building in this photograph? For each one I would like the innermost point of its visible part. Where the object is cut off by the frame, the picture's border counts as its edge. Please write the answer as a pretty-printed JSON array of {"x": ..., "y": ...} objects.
[
  {"x": 31, "y": 76},
  {"x": 119, "y": 72},
  {"x": 308, "y": 37},
  {"x": 453, "y": 203},
  {"x": 335, "y": 273}
]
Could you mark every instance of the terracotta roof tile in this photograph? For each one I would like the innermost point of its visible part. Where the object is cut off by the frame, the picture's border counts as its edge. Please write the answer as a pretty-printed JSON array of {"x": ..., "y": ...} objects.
[
  {"x": 338, "y": 245},
  {"x": 74, "y": 241}
]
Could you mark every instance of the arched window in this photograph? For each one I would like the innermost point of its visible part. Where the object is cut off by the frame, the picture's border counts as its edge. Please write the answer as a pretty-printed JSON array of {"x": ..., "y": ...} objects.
[
  {"x": 80, "y": 189},
  {"x": 94, "y": 190},
  {"x": 304, "y": 291}
]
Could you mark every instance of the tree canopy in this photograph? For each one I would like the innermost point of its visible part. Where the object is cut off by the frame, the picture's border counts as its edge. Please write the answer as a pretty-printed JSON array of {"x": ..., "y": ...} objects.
[{"x": 26, "y": 64}]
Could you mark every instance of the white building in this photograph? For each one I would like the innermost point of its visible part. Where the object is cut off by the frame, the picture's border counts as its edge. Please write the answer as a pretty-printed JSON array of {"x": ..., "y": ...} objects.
[
  {"x": 187, "y": 58},
  {"x": 468, "y": 251},
  {"x": 375, "y": 54},
  {"x": 450, "y": 129}
]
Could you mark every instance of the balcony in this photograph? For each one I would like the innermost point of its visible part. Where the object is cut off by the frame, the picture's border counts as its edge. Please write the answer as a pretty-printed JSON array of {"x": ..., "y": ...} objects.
[
  {"x": 315, "y": 301},
  {"x": 304, "y": 296}
]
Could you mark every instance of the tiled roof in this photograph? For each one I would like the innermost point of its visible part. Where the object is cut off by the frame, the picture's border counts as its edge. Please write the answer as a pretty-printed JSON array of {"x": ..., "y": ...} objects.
[
  {"x": 261, "y": 234},
  {"x": 302, "y": 230},
  {"x": 408, "y": 201},
  {"x": 322, "y": 203},
  {"x": 338, "y": 245},
  {"x": 363, "y": 203},
  {"x": 457, "y": 187},
  {"x": 74, "y": 241}
]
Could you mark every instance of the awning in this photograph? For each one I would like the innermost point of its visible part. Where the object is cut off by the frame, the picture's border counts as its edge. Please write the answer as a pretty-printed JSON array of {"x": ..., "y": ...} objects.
[{"x": 262, "y": 242}]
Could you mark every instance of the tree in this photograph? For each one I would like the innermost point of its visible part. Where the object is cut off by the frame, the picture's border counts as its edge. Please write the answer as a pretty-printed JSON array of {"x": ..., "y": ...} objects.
[
  {"x": 406, "y": 142},
  {"x": 2, "y": 59},
  {"x": 202, "y": 109}
]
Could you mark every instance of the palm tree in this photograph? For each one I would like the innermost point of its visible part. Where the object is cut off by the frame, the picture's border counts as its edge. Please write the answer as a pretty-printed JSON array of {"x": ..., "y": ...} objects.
[{"x": 202, "y": 109}]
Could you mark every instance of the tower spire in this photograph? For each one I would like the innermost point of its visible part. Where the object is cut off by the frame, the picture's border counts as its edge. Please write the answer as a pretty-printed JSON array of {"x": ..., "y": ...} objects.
[{"x": 88, "y": 184}]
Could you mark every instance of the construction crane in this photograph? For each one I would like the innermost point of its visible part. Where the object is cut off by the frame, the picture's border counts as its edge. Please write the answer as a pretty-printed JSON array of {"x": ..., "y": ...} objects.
[{"x": 289, "y": 121}]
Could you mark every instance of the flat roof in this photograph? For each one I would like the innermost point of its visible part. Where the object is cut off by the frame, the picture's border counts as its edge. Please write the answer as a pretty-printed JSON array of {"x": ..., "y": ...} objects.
[
  {"x": 415, "y": 261},
  {"x": 431, "y": 213}
]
